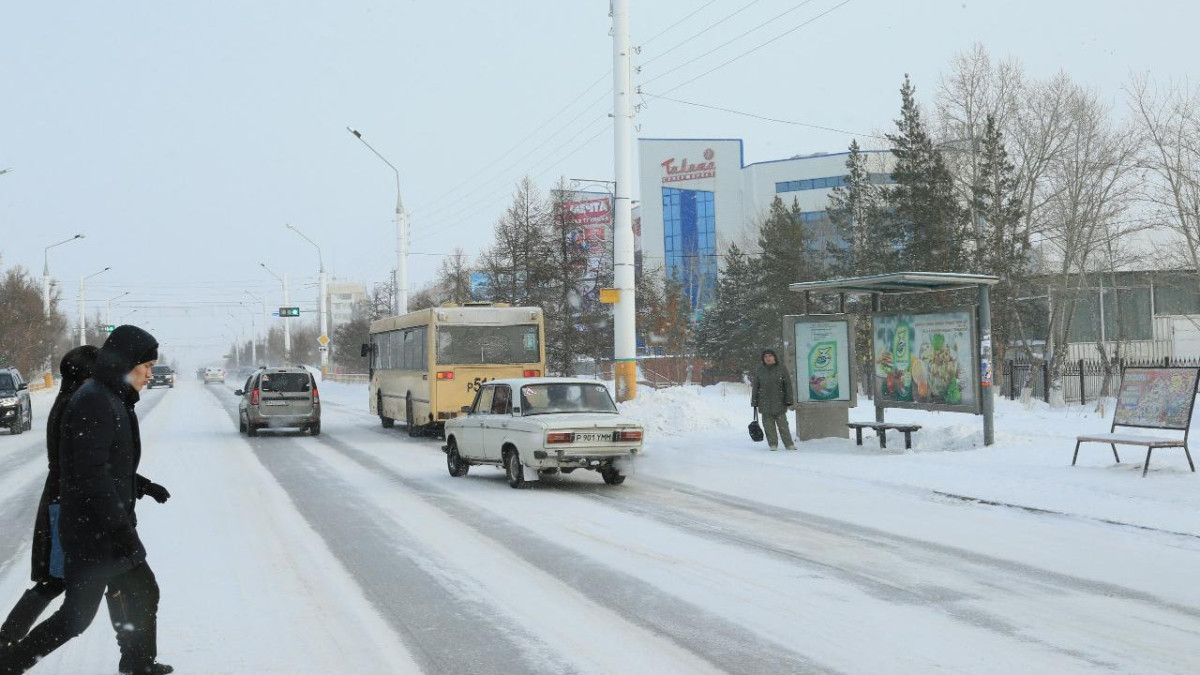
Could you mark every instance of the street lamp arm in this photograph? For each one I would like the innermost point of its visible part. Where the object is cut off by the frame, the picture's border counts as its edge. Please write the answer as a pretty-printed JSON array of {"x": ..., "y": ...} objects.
[
  {"x": 399, "y": 204},
  {"x": 320, "y": 256}
]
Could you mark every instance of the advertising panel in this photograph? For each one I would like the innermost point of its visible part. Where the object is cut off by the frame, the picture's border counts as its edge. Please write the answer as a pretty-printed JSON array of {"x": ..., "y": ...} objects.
[
  {"x": 1156, "y": 397},
  {"x": 927, "y": 361},
  {"x": 823, "y": 352},
  {"x": 588, "y": 219}
]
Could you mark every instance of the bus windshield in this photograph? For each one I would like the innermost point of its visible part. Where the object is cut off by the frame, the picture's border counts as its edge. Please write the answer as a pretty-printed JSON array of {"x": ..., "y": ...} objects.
[
  {"x": 476, "y": 345},
  {"x": 567, "y": 397}
]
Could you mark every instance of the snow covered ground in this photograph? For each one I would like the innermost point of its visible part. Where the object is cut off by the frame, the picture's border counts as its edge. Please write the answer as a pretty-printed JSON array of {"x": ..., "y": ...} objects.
[{"x": 355, "y": 552}]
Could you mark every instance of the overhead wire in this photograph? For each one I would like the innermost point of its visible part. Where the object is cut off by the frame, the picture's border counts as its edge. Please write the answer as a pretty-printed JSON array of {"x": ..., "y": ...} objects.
[
  {"x": 763, "y": 117},
  {"x": 702, "y": 32},
  {"x": 662, "y": 32}
]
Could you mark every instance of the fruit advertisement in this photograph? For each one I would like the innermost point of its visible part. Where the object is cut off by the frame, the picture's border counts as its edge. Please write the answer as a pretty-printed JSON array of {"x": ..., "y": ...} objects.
[
  {"x": 926, "y": 360},
  {"x": 823, "y": 357}
]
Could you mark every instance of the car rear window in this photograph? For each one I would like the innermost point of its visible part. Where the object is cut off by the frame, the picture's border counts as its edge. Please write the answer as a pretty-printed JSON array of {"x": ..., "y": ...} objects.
[{"x": 285, "y": 383}]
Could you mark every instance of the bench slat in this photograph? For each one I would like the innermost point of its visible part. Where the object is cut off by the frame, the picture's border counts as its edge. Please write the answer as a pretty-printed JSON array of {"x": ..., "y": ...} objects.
[
  {"x": 889, "y": 426},
  {"x": 1128, "y": 439}
]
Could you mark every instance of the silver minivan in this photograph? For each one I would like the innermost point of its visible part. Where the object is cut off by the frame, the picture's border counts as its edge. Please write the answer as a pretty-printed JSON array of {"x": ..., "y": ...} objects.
[{"x": 280, "y": 398}]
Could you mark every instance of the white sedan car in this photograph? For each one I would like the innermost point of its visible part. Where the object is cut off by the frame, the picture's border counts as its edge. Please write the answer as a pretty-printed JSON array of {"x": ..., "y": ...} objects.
[{"x": 537, "y": 426}]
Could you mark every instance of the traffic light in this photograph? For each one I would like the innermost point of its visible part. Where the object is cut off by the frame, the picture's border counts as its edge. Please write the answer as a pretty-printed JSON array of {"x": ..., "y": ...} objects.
[
  {"x": 109, "y": 329},
  {"x": 289, "y": 311}
]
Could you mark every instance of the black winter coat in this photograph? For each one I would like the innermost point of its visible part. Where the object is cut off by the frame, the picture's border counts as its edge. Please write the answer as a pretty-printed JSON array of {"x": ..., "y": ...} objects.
[{"x": 99, "y": 452}]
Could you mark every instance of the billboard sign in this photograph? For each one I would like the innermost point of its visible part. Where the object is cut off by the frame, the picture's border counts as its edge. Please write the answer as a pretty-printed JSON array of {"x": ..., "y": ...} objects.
[
  {"x": 587, "y": 219},
  {"x": 1160, "y": 398},
  {"x": 927, "y": 361},
  {"x": 824, "y": 360}
]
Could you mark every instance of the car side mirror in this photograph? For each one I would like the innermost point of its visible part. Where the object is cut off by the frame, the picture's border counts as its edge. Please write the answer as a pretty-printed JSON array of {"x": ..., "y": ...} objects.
[
  {"x": 239, "y": 392},
  {"x": 466, "y": 410},
  {"x": 366, "y": 350},
  {"x": 23, "y": 386}
]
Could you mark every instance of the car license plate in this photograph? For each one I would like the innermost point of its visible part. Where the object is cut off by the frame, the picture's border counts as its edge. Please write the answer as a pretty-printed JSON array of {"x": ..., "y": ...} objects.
[
  {"x": 276, "y": 403},
  {"x": 592, "y": 438}
]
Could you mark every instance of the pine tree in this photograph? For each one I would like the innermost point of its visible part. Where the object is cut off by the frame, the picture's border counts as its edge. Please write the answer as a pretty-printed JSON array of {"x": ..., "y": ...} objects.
[
  {"x": 728, "y": 334},
  {"x": 1004, "y": 244},
  {"x": 454, "y": 277},
  {"x": 516, "y": 264},
  {"x": 786, "y": 259},
  {"x": 867, "y": 244},
  {"x": 931, "y": 223}
]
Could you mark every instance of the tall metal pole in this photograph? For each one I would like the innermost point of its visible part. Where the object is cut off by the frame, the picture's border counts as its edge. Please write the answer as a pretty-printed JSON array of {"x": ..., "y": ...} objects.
[
  {"x": 266, "y": 323},
  {"x": 46, "y": 272},
  {"x": 624, "y": 316},
  {"x": 253, "y": 336},
  {"x": 82, "y": 300},
  {"x": 985, "y": 337},
  {"x": 322, "y": 299},
  {"x": 400, "y": 274},
  {"x": 287, "y": 325}
]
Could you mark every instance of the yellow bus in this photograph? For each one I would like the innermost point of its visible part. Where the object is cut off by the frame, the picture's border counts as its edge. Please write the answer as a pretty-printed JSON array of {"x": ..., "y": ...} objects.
[{"x": 426, "y": 365}]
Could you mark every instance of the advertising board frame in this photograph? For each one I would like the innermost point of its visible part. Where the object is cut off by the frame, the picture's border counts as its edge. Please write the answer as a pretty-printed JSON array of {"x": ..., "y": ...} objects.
[
  {"x": 792, "y": 323},
  {"x": 974, "y": 372}
]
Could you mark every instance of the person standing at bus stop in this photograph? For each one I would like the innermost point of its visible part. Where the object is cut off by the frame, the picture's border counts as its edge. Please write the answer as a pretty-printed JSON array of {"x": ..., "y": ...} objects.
[{"x": 771, "y": 395}]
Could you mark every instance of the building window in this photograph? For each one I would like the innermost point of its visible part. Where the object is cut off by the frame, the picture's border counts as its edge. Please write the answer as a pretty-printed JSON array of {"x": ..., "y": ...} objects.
[
  {"x": 827, "y": 183},
  {"x": 690, "y": 242}
]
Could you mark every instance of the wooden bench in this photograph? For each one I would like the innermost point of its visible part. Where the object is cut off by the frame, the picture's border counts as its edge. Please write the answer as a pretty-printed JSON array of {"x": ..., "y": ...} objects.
[
  {"x": 881, "y": 429},
  {"x": 1164, "y": 409}
]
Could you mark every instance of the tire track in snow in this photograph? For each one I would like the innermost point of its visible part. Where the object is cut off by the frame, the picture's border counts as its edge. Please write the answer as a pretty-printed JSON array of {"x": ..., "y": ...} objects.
[
  {"x": 443, "y": 634},
  {"x": 722, "y": 643}
]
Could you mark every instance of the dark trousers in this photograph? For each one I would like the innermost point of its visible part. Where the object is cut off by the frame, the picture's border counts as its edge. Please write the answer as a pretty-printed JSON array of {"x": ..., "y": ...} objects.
[{"x": 132, "y": 605}]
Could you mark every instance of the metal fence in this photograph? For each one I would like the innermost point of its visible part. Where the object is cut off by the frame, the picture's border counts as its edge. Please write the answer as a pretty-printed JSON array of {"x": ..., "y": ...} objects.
[{"x": 1083, "y": 379}]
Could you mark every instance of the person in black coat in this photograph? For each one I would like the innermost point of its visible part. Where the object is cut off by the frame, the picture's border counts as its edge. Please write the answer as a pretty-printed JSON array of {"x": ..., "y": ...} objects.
[
  {"x": 99, "y": 452},
  {"x": 76, "y": 367}
]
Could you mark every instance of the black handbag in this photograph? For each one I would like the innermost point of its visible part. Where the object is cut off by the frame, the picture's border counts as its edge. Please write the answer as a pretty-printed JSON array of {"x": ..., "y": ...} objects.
[{"x": 756, "y": 432}]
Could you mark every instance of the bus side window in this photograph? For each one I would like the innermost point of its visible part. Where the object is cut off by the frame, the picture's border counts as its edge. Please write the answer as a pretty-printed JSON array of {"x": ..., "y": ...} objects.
[{"x": 502, "y": 403}]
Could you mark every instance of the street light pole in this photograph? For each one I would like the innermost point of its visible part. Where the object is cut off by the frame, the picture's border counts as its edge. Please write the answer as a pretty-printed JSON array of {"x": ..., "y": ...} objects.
[
  {"x": 400, "y": 274},
  {"x": 625, "y": 312},
  {"x": 82, "y": 311},
  {"x": 46, "y": 272},
  {"x": 108, "y": 308},
  {"x": 287, "y": 330},
  {"x": 253, "y": 337},
  {"x": 266, "y": 322},
  {"x": 322, "y": 301}
]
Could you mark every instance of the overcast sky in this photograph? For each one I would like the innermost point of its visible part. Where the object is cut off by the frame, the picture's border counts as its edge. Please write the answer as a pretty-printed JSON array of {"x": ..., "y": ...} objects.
[{"x": 181, "y": 137}]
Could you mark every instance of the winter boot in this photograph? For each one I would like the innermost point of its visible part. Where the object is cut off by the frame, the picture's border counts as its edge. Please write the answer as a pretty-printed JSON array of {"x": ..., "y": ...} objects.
[
  {"x": 774, "y": 448},
  {"x": 152, "y": 669},
  {"x": 23, "y": 616}
]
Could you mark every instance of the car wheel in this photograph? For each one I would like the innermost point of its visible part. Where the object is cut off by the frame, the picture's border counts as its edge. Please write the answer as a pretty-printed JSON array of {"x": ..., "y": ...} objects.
[
  {"x": 241, "y": 424},
  {"x": 413, "y": 429},
  {"x": 611, "y": 475},
  {"x": 512, "y": 466},
  {"x": 17, "y": 428},
  {"x": 29, "y": 423},
  {"x": 315, "y": 429},
  {"x": 251, "y": 430},
  {"x": 454, "y": 461},
  {"x": 384, "y": 420}
]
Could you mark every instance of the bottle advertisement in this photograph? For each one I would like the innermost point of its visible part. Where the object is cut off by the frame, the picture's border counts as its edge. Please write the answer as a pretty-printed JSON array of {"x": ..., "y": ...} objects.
[
  {"x": 926, "y": 360},
  {"x": 823, "y": 361}
]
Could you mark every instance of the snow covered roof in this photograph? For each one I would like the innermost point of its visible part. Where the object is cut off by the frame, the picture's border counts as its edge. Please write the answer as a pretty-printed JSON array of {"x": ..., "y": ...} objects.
[{"x": 897, "y": 283}]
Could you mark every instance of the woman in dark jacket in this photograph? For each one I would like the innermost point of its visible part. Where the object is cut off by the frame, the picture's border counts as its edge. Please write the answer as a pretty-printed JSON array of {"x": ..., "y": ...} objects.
[{"x": 76, "y": 368}]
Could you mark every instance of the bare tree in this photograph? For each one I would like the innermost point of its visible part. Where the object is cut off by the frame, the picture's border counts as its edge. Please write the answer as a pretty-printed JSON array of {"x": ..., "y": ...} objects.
[
  {"x": 1090, "y": 185},
  {"x": 454, "y": 276},
  {"x": 1169, "y": 118}
]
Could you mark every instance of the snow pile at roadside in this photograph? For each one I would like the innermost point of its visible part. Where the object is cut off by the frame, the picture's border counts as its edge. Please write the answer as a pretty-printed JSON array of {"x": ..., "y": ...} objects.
[{"x": 679, "y": 411}]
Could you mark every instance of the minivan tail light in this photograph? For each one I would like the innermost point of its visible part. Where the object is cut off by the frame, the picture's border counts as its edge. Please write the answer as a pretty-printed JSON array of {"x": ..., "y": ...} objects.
[
  {"x": 253, "y": 397},
  {"x": 445, "y": 375},
  {"x": 533, "y": 373},
  {"x": 560, "y": 438},
  {"x": 631, "y": 435},
  {"x": 316, "y": 396}
]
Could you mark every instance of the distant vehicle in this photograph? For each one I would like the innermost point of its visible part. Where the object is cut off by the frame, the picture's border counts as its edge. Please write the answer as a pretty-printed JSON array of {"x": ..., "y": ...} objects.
[
  {"x": 16, "y": 410},
  {"x": 161, "y": 376},
  {"x": 426, "y": 365},
  {"x": 279, "y": 398},
  {"x": 212, "y": 374},
  {"x": 543, "y": 425}
]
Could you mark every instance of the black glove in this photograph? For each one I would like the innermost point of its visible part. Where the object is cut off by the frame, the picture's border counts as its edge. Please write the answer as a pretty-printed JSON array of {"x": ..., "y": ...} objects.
[{"x": 157, "y": 492}]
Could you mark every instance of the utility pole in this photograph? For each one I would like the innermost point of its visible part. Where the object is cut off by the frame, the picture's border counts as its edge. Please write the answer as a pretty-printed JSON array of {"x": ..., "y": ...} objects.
[
  {"x": 266, "y": 330},
  {"x": 287, "y": 330},
  {"x": 400, "y": 274},
  {"x": 625, "y": 313},
  {"x": 82, "y": 300},
  {"x": 46, "y": 272},
  {"x": 322, "y": 299}
]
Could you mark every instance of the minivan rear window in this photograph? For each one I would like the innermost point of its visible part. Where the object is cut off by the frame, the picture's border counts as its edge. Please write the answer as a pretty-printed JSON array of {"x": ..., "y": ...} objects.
[{"x": 285, "y": 383}]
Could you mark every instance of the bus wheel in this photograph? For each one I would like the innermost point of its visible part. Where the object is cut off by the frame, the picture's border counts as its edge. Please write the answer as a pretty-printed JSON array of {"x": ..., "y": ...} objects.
[
  {"x": 454, "y": 461},
  {"x": 386, "y": 421},
  {"x": 413, "y": 429}
]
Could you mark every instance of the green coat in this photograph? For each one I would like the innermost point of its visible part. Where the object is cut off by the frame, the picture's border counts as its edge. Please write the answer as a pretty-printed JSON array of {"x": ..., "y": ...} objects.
[{"x": 772, "y": 390}]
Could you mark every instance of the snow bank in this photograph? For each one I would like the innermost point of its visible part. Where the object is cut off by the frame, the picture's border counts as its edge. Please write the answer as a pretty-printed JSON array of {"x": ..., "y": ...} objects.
[{"x": 680, "y": 411}]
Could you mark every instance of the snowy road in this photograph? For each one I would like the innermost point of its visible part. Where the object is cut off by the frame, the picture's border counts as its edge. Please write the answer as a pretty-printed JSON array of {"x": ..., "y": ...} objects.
[{"x": 355, "y": 552}]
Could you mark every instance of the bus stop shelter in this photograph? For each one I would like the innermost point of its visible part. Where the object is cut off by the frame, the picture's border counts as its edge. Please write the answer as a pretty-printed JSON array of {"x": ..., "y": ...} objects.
[{"x": 918, "y": 283}]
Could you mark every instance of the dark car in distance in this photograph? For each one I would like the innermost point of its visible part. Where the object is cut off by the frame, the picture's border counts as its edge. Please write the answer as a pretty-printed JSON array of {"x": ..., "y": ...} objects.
[
  {"x": 16, "y": 410},
  {"x": 161, "y": 376}
]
